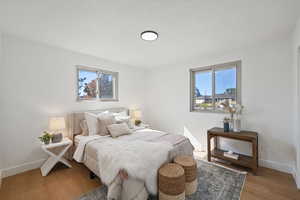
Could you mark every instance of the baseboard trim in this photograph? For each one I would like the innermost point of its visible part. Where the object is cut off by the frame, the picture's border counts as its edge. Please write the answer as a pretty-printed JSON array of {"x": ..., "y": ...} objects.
[
  {"x": 0, "y": 178},
  {"x": 277, "y": 166},
  {"x": 22, "y": 168},
  {"x": 296, "y": 176},
  {"x": 298, "y": 180}
]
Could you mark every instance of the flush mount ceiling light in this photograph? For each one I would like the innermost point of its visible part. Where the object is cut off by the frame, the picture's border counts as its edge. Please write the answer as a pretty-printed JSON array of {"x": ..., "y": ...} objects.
[{"x": 149, "y": 35}]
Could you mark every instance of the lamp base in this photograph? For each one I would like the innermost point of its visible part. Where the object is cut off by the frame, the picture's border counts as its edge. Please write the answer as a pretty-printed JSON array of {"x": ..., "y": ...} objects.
[{"x": 57, "y": 137}]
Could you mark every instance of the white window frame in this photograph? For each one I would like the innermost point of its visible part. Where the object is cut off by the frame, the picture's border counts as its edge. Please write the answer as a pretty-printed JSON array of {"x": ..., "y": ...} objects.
[
  {"x": 214, "y": 68},
  {"x": 115, "y": 76}
]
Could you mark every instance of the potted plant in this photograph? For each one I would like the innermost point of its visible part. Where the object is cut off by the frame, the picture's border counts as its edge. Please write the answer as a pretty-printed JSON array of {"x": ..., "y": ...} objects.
[
  {"x": 46, "y": 137},
  {"x": 137, "y": 122},
  {"x": 235, "y": 111}
]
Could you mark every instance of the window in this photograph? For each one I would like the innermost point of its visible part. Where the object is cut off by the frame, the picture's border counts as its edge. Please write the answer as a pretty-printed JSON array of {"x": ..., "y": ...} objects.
[
  {"x": 96, "y": 84},
  {"x": 214, "y": 84}
]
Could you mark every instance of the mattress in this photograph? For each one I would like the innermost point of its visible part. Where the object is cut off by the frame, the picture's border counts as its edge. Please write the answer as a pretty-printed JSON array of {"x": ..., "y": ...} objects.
[{"x": 181, "y": 145}]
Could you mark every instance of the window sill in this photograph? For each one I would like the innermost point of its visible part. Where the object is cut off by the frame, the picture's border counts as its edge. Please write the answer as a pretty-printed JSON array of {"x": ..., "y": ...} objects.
[
  {"x": 97, "y": 100},
  {"x": 209, "y": 111}
]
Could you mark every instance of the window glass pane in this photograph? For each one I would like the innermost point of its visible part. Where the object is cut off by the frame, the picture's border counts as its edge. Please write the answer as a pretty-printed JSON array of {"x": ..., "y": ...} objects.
[
  {"x": 106, "y": 84},
  {"x": 87, "y": 84},
  {"x": 225, "y": 85},
  {"x": 203, "y": 91}
]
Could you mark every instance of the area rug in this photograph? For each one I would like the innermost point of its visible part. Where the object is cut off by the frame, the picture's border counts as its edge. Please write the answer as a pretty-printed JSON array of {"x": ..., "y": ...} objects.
[{"x": 214, "y": 183}]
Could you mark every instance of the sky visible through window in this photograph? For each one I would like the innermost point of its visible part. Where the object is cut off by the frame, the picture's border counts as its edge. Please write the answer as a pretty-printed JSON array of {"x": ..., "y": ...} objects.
[
  {"x": 89, "y": 75},
  {"x": 86, "y": 83},
  {"x": 224, "y": 79}
]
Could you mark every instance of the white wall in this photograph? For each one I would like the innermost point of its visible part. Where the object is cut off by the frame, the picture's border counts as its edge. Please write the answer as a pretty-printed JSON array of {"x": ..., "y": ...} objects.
[
  {"x": 296, "y": 65},
  {"x": 267, "y": 94},
  {"x": 1, "y": 152},
  {"x": 38, "y": 81}
]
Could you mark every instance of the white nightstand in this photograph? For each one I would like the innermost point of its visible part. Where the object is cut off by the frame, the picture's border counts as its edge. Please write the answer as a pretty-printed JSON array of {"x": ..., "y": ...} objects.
[{"x": 64, "y": 145}]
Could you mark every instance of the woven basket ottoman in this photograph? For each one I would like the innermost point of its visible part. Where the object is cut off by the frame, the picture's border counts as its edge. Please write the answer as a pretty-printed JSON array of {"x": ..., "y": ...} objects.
[
  {"x": 190, "y": 170},
  {"x": 171, "y": 182}
]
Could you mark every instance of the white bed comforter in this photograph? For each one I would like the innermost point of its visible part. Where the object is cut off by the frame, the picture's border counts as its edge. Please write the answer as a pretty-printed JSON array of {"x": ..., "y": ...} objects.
[
  {"x": 140, "y": 159},
  {"x": 142, "y": 134}
]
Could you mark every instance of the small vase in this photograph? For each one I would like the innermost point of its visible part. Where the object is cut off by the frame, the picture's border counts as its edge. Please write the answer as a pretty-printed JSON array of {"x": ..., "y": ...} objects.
[
  {"x": 47, "y": 142},
  {"x": 226, "y": 126},
  {"x": 231, "y": 122},
  {"x": 237, "y": 125}
]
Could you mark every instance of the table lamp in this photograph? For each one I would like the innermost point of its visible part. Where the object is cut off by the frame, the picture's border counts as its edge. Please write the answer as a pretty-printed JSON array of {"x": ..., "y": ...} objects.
[
  {"x": 137, "y": 115},
  {"x": 57, "y": 124}
]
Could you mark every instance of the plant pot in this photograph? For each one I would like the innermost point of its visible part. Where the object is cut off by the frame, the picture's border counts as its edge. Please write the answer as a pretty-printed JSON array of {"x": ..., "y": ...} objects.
[{"x": 47, "y": 142}]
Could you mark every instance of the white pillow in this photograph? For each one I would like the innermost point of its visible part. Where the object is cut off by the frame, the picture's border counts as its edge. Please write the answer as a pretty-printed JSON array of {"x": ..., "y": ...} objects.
[
  {"x": 124, "y": 119},
  {"x": 105, "y": 119},
  {"x": 92, "y": 123},
  {"x": 117, "y": 130},
  {"x": 121, "y": 114}
]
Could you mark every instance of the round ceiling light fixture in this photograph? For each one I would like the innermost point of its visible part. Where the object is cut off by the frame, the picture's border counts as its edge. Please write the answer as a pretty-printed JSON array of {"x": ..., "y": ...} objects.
[{"x": 149, "y": 35}]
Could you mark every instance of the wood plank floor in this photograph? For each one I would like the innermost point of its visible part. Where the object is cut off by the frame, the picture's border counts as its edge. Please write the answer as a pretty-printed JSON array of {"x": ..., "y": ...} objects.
[
  {"x": 61, "y": 184},
  {"x": 68, "y": 184}
]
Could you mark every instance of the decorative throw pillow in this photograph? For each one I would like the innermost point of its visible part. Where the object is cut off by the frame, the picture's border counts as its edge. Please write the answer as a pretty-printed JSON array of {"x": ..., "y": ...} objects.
[
  {"x": 124, "y": 119},
  {"x": 117, "y": 130},
  {"x": 84, "y": 128},
  {"x": 92, "y": 123},
  {"x": 105, "y": 119}
]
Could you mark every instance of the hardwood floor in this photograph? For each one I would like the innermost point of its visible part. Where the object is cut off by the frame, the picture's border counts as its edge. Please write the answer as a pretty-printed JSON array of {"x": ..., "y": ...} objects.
[
  {"x": 61, "y": 184},
  {"x": 68, "y": 184},
  {"x": 270, "y": 185}
]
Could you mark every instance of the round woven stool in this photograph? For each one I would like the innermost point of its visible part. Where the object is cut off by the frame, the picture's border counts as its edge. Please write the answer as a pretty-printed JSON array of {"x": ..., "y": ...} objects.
[
  {"x": 190, "y": 170},
  {"x": 171, "y": 182}
]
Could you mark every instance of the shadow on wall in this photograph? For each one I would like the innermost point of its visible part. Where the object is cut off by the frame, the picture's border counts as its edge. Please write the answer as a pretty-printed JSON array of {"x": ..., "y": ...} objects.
[{"x": 195, "y": 142}]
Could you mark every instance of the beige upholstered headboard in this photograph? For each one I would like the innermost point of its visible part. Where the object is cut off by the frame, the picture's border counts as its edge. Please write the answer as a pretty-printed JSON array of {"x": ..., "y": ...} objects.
[{"x": 75, "y": 118}]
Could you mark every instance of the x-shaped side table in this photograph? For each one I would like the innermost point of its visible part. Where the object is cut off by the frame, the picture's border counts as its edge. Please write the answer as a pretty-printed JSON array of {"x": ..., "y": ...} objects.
[{"x": 65, "y": 144}]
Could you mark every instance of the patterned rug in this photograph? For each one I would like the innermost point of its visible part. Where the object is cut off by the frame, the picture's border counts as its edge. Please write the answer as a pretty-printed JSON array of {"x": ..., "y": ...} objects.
[{"x": 215, "y": 183}]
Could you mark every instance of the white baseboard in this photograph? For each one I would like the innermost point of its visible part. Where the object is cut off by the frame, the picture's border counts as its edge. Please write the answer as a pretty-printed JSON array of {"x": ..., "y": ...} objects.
[
  {"x": 298, "y": 180},
  {"x": 0, "y": 178},
  {"x": 283, "y": 168},
  {"x": 296, "y": 176},
  {"x": 277, "y": 166},
  {"x": 22, "y": 168}
]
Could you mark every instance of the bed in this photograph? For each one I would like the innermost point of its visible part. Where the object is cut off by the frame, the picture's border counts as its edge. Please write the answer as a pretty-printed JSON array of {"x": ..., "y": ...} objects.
[{"x": 181, "y": 145}]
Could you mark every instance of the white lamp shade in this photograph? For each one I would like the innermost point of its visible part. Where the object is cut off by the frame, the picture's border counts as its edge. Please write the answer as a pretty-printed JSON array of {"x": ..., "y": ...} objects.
[
  {"x": 57, "y": 123},
  {"x": 137, "y": 114}
]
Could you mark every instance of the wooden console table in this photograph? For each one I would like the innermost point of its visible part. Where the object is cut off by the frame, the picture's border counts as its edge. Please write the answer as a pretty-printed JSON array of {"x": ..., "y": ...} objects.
[{"x": 243, "y": 160}]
